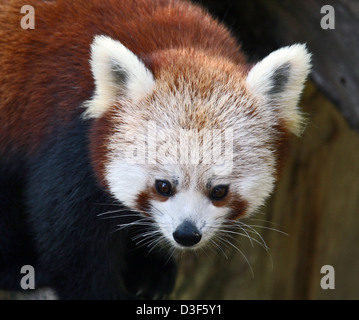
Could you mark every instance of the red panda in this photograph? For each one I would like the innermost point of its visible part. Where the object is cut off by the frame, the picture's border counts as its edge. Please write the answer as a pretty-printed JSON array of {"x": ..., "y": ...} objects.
[{"x": 129, "y": 130}]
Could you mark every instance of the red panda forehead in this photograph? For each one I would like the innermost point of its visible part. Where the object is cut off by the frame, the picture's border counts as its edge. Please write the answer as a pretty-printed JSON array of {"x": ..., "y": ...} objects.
[
  {"x": 189, "y": 64},
  {"x": 207, "y": 90}
]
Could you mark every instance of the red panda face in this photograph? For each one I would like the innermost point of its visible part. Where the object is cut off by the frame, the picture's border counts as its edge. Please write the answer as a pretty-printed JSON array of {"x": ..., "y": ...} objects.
[{"x": 195, "y": 141}]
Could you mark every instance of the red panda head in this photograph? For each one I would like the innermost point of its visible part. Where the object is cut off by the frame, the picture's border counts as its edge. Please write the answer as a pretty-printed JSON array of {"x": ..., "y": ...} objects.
[{"x": 189, "y": 140}]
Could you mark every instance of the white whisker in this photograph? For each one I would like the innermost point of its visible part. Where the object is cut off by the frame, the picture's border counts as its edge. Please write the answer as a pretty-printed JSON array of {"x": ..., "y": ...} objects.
[
  {"x": 146, "y": 236},
  {"x": 241, "y": 252},
  {"x": 269, "y": 228},
  {"x": 117, "y": 211},
  {"x": 251, "y": 239},
  {"x": 215, "y": 244},
  {"x": 251, "y": 229}
]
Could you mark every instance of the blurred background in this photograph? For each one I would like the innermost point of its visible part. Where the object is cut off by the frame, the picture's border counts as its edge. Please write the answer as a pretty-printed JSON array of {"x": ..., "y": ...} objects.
[{"x": 316, "y": 202}]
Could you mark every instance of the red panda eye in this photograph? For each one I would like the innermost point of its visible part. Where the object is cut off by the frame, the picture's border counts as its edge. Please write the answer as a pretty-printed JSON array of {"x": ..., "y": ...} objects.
[
  {"x": 219, "y": 192},
  {"x": 163, "y": 187}
]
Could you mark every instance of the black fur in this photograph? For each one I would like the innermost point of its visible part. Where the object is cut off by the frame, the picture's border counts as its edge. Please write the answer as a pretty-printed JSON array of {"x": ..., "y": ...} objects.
[
  {"x": 120, "y": 75},
  {"x": 279, "y": 79},
  {"x": 49, "y": 219}
]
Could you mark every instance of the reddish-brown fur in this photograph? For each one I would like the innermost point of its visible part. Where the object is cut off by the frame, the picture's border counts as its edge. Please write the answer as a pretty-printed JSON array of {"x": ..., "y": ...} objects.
[
  {"x": 239, "y": 208},
  {"x": 45, "y": 73},
  {"x": 143, "y": 200},
  {"x": 235, "y": 203}
]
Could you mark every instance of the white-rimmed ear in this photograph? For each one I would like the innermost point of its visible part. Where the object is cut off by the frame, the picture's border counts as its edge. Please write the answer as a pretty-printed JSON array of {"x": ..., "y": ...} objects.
[
  {"x": 279, "y": 80},
  {"x": 117, "y": 73}
]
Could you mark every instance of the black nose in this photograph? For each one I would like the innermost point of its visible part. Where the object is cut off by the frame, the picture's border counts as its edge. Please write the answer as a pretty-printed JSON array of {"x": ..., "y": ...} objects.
[{"x": 187, "y": 234}]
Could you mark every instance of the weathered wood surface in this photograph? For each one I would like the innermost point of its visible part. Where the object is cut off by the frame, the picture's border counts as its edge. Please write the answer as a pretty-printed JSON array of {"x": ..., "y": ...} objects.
[
  {"x": 263, "y": 25},
  {"x": 316, "y": 203}
]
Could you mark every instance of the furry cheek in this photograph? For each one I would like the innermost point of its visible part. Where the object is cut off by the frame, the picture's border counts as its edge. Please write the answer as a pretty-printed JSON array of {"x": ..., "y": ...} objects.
[
  {"x": 125, "y": 181},
  {"x": 144, "y": 198},
  {"x": 235, "y": 204}
]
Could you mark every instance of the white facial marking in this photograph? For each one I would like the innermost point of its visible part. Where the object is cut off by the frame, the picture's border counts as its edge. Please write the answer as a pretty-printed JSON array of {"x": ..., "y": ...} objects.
[{"x": 126, "y": 181}]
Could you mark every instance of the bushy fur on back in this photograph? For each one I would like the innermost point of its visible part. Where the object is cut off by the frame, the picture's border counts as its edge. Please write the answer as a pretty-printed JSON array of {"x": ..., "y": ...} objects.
[{"x": 136, "y": 116}]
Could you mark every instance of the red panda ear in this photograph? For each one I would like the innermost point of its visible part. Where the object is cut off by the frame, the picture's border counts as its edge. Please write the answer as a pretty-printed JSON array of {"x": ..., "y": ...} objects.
[
  {"x": 278, "y": 81},
  {"x": 118, "y": 73}
]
